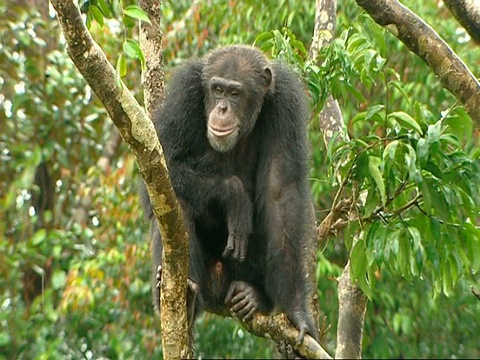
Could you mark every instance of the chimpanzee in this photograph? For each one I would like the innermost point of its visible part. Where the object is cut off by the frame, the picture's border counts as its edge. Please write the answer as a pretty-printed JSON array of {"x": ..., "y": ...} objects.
[{"x": 233, "y": 130}]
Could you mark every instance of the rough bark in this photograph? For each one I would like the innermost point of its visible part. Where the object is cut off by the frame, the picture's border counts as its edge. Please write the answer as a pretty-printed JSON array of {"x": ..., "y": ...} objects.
[
  {"x": 426, "y": 43},
  {"x": 139, "y": 133},
  {"x": 330, "y": 117},
  {"x": 352, "y": 307},
  {"x": 352, "y": 301},
  {"x": 467, "y": 13},
  {"x": 151, "y": 37}
]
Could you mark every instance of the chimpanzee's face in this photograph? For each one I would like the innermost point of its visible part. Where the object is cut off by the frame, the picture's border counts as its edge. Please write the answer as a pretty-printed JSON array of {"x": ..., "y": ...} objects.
[
  {"x": 234, "y": 98},
  {"x": 225, "y": 118}
]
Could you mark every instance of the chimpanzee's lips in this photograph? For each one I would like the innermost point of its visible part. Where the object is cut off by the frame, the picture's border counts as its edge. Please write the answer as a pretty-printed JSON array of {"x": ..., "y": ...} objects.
[{"x": 220, "y": 132}]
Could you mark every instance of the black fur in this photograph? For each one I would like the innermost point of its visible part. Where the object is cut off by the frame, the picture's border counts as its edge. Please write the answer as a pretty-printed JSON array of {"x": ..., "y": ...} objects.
[{"x": 263, "y": 181}]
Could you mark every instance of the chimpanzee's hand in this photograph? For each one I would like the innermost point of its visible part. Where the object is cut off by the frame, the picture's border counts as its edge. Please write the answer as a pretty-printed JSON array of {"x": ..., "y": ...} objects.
[
  {"x": 245, "y": 300},
  {"x": 236, "y": 247},
  {"x": 239, "y": 219}
]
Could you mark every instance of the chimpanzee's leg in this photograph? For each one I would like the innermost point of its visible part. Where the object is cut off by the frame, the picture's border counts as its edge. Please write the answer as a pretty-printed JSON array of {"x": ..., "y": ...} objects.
[{"x": 287, "y": 234}]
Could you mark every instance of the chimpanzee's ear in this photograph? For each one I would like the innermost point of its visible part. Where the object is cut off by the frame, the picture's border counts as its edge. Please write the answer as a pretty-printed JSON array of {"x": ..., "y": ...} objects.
[{"x": 269, "y": 79}]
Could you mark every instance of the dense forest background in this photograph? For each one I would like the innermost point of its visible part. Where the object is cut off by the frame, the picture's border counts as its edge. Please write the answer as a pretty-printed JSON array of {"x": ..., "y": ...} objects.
[{"x": 74, "y": 251}]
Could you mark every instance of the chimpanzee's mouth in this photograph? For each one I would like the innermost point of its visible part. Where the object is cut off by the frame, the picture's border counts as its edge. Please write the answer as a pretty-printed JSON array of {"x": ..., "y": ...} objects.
[{"x": 220, "y": 132}]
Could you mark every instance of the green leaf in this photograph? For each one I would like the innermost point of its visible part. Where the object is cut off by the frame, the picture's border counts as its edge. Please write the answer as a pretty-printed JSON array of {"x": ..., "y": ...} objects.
[
  {"x": 411, "y": 162},
  {"x": 358, "y": 259},
  {"x": 374, "y": 110},
  {"x": 372, "y": 202},
  {"x": 89, "y": 20},
  {"x": 27, "y": 177},
  {"x": 360, "y": 170},
  {"x": 36, "y": 158},
  {"x": 39, "y": 237},
  {"x": 131, "y": 48},
  {"x": 397, "y": 322},
  {"x": 97, "y": 14},
  {"x": 434, "y": 131},
  {"x": 370, "y": 237},
  {"x": 406, "y": 121},
  {"x": 390, "y": 150},
  {"x": 105, "y": 8},
  {"x": 416, "y": 238},
  {"x": 404, "y": 256},
  {"x": 439, "y": 204},
  {"x": 5, "y": 339},
  {"x": 374, "y": 163},
  {"x": 391, "y": 246},
  {"x": 434, "y": 170},
  {"x": 426, "y": 198},
  {"x": 447, "y": 280},
  {"x": 359, "y": 117},
  {"x": 135, "y": 12},
  {"x": 121, "y": 70},
  {"x": 423, "y": 148},
  {"x": 59, "y": 278},
  {"x": 264, "y": 40}
]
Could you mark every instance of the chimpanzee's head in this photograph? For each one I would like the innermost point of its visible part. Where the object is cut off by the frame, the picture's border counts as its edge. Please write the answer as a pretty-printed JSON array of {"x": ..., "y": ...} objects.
[{"x": 236, "y": 80}]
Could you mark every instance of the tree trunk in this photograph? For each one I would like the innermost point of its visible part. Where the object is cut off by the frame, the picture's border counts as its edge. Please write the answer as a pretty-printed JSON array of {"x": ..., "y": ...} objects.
[
  {"x": 139, "y": 133},
  {"x": 352, "y": 301}
]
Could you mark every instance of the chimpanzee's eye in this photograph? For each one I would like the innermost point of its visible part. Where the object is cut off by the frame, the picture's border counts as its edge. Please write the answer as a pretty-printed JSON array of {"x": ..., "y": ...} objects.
[
  {"x": 218, "y": 90},
  {"x": 234, "y": 94}
]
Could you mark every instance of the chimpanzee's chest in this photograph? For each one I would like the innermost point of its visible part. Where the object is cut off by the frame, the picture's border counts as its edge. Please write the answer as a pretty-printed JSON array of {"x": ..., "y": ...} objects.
[{"x": 243, "y": 163}]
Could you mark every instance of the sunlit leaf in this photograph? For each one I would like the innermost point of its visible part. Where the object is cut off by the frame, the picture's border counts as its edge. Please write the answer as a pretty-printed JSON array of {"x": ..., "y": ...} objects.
[
  {"x": 39, "y": 237},
  {"x": 97, "y": 14},
  {"x": 136, "y": 12}
]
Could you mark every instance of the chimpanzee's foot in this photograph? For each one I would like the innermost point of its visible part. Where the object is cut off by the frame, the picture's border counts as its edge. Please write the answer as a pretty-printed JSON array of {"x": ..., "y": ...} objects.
[
  {"x": 245, "y": 300},
  {"x": 303, "y": 321}
]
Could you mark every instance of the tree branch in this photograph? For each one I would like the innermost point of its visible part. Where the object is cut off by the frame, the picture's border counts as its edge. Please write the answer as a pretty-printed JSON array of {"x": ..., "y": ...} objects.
[
  {"x": 139, "y": 133},
  {"x": 426, "y": 43},
  {"x": 467, "y": 13},
  {"x": 279, "y": 328}
]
